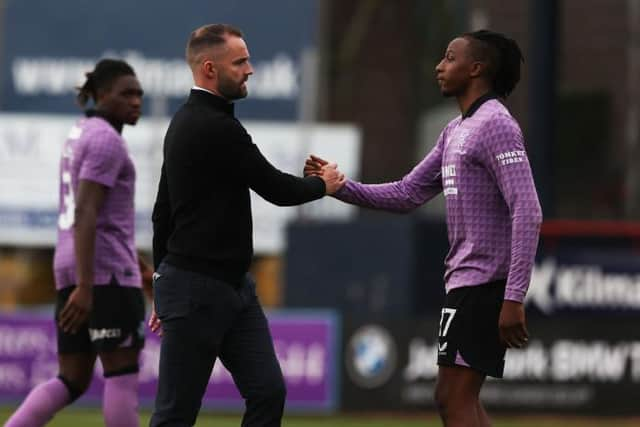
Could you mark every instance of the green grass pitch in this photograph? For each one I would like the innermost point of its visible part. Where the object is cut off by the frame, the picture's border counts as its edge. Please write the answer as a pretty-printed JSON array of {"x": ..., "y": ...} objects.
[{"x": 78, "y": 417}]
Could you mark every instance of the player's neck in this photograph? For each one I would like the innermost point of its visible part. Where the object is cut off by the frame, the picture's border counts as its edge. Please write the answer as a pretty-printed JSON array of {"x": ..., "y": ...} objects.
[
  {"x": 116, "y": 124},
  {"x": 466, "y": 99}
]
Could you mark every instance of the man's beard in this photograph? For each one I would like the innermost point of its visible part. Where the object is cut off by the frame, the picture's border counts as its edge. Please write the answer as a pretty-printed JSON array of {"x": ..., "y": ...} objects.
[{"x": 231, "y": 90}]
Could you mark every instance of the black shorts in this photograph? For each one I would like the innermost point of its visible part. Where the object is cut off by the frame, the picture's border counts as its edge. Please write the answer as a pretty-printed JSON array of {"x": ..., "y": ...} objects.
[
  {"x": 468, "y": 334},
  {"x": 116, "y": 321}
]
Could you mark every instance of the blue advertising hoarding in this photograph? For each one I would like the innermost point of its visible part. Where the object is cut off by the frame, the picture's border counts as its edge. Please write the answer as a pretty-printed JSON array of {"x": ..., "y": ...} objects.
[
  {"x": 586, "y": 274},
  {"x": 571, "y": 365},
  {"x": 47, "y": 47}
]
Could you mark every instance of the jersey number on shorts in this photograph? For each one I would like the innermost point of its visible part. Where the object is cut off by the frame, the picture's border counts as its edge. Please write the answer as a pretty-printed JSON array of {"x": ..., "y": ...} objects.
[{"x": 445, "y": 322}]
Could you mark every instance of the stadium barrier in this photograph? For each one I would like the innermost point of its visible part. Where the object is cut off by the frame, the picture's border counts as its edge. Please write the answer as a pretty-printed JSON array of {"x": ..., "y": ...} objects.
[
  {"x": 583, "y": 312},
  {"x": 306, "y": 345},
  {"x": 570, "y": 366}
]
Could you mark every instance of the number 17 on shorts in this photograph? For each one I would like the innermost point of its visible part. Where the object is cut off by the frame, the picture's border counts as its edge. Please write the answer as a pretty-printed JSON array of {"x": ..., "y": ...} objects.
[{"x": 446, "y": 318}]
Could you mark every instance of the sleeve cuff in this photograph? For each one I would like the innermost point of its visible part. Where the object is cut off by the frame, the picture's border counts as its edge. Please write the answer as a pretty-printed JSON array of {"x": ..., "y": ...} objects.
[
  {"x": 321, "y": 184},
  {"x": 514, "y": 295},
  {"x": 107, "y": 182},
  {"x": 342, "y": 192}
]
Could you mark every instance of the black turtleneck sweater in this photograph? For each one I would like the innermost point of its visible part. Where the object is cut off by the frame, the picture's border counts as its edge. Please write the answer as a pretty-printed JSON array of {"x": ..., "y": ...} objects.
[{"x": 202, "y": 214}]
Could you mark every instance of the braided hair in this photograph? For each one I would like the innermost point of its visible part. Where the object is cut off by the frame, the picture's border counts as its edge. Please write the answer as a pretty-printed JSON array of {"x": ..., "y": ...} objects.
[
  {"x": 503, "y": 56},
  {"x": 102, "y": 77}
]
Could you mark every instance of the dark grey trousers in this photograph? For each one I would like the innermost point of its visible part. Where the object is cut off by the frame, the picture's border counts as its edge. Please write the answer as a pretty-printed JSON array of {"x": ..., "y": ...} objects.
[{"x": 204, "y": 319}]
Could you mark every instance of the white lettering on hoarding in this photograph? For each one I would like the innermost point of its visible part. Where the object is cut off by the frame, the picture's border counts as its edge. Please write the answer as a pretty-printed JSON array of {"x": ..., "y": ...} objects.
[
  {"x": 12, "y": 377},
  {"x": 275, "y": 78},
  {"x": 22, "y": 341},
  {"x": 561, "y": 361},
  {"x": 422, "y": 361},
  {"x": 635, "y": 361},
  {"x": 292, "y": 361},
  {"x": 30, "y": 148},
  {"x": 531, "y": 362},
  {"x": 316, "y": 369},
  {"x": 300, "y": 363},
  {"x": 595, "y": 361},
  {"x": 582, "y": 286}
]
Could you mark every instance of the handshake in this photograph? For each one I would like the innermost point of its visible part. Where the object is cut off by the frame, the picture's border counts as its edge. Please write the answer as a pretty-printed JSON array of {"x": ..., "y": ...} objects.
[{"x": 332, "y": 177}]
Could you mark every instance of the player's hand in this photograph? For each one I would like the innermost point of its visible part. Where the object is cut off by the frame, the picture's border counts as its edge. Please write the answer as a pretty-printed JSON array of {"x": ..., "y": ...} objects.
[
  {"x": 332, "y": 177},
  {"x": 313, "y": 165},
  {"x": 76, "y": 311},
  {"x": 154, "y": 323},
  {"x": 513, "y": 331}
]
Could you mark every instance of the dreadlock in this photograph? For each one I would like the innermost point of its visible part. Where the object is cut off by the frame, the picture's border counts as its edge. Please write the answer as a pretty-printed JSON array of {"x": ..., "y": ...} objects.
[
  {"x": 503, "y": 56},
  {"x": 102, "y": 77}
]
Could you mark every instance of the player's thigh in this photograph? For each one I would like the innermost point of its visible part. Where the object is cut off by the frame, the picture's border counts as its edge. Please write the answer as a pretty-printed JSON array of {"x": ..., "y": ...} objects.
[
  {"x": 458, "y": 383},
  {"x": 77, "y": 369},
  {"x": 116, "y": 327},
  {"x": 120, "y": 360},
  {"x": 76, "y": 357},
  {"x": 117, "y": 319}
]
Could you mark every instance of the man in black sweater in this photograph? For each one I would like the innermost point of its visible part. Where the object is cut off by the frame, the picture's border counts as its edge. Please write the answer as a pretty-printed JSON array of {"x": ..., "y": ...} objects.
[{"x": 205, "y": 302}]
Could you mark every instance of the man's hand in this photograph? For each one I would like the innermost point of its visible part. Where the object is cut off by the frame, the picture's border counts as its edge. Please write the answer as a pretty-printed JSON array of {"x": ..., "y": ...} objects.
[
  {"x": 77, "y": 309},
  {"x": 154, "y": 323},
  {"x": 313, "y": 165},
  {"x": 513, "y": 331},
  {"x": 332, "y": 177}
]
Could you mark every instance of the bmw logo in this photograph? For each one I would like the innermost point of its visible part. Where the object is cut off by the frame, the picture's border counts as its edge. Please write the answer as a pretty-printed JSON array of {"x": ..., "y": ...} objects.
[{"x": 371, "y": 356}]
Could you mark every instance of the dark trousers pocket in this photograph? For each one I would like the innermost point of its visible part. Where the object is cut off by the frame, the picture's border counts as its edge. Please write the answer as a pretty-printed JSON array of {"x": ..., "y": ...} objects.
[{"x": 171, "y": 296}]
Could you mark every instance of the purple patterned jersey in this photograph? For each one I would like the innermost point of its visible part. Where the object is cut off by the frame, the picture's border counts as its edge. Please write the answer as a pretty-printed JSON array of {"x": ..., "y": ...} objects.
[
  {"x": 96, "y": 152},
  {"x": 493, "y": 213}
]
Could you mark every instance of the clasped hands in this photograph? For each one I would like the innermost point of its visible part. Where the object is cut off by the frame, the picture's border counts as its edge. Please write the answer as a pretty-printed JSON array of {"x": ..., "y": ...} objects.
[{"x": 332, "y": 177}]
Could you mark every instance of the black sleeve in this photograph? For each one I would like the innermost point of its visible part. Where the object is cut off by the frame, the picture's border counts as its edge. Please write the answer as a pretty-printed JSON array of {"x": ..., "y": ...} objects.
[
  {"x": 270, "y": 183},
  {"x": 161, "y": 218}
]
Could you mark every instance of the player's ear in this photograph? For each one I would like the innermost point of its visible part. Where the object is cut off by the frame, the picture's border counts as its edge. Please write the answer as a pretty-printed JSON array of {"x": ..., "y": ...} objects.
[
  {"x": 101, "y": 94},
  {"x": 478, "y": 68}
]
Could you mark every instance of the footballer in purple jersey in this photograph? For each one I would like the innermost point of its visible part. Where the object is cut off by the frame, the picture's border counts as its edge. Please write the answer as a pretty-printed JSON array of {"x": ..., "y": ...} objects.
[
  {"x": 99, "y": 306},
  {"x": 493, "y": 219}
]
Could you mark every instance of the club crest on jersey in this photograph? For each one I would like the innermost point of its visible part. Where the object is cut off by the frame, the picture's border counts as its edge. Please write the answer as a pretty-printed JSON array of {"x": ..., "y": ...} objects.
[{"x": 459, "y": 141}]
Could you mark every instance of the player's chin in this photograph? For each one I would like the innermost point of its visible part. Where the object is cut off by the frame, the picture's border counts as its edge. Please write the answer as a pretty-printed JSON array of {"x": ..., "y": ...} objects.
[
  {"x": 446, "y": 92},
  {"x": 133, "y": 119}
]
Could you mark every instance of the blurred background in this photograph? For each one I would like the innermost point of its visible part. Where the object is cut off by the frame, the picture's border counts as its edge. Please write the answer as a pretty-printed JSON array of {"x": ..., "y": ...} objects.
[{"x": 353, "y": 295}]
